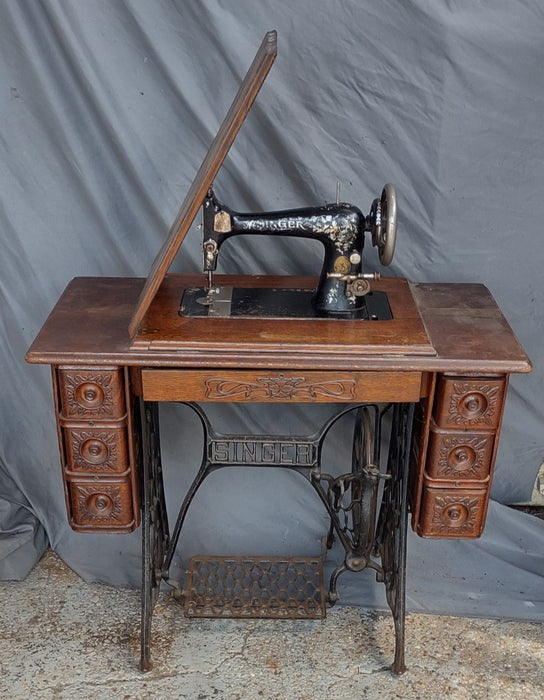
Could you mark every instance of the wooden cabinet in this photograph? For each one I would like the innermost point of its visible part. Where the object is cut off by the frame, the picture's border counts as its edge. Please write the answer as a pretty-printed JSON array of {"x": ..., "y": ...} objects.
[
  {"x": 99, "y": 448},
  {"x": 454, "y": 444},
  {"x": 448, "y": 349},
  {"x": 454, "y": 451}
]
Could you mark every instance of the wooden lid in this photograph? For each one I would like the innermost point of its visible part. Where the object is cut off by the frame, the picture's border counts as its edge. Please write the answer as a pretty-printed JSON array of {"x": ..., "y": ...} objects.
[{"x": 206, "y": 174}]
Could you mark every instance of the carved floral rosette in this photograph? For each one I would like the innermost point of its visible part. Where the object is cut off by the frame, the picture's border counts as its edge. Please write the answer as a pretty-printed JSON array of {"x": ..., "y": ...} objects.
[
  {"x": 102, "y": 505},
  {"x": 462, "y": 457},
  {"x": 459, "y": 514},
  {"x": 94, "y": 450},
  {"x": 474, "y": 403},
  {"x": 88, "y": 394}
]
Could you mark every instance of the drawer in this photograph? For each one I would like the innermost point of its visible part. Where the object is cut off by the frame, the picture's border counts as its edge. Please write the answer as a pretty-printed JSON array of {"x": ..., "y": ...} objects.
[
  {"x": 99, "y": 505},
  {"x": 451, "y": 512},
  {"x": 273, "y": 386},
  {"x": 98, "y": 450},
  {"x": 463, "y": 402},
  {"x": 459, "y": 456},
  {"x": 91, "y": 393}
]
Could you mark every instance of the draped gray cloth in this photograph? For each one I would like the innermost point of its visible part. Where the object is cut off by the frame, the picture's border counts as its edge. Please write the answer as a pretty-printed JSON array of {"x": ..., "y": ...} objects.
[{"x": 107, "y": 109}]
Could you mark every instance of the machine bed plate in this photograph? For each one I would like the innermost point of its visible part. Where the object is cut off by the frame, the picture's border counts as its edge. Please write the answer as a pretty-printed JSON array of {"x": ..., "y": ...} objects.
[{"x": 262, "y": 302}]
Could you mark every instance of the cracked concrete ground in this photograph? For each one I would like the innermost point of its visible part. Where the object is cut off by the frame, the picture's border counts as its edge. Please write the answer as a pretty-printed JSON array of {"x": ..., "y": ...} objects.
[{"x": 62, "y": 638}]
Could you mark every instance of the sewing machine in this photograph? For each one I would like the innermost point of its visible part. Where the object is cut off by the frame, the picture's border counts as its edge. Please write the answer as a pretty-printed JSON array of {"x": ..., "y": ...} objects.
[
  {"x": 426, "y": 363},
  {"x": 343, "y": 289}
]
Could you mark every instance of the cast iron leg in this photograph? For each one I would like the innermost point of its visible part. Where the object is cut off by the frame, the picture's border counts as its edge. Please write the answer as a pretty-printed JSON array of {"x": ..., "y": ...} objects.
[
  {"x": 146, "y": 594},
  {"x": 154, "y": 526},
  {"x": 393, "y": 525}
]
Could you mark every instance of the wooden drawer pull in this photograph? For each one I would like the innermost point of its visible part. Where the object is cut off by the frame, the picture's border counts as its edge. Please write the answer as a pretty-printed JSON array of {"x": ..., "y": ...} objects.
[
  {"x": 91, "y": 393},
  {"x": 466, "y": 402}
]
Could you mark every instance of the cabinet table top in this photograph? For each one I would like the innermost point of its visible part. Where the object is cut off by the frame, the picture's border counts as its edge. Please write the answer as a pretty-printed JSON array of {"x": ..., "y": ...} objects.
[{"x": 436, "y": 327}]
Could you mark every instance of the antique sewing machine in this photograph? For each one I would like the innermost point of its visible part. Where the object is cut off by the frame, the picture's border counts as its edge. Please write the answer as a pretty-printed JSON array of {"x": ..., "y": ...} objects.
[
  {"x": 343, "y": 289},
  {"x": 421, "y": 367}
]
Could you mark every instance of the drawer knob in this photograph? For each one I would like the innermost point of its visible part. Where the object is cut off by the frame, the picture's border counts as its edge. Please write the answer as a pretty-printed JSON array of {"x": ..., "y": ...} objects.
[
  {"x": 461, "y": 458},
  {"x": 99, "y": 505},
  {"x": 455, "y": 515},
  {"x": 89, "y": 395},
  {"x": 94, "y": 451},
  {"x": 473, "y": 405},
  {"x": 102, "y": 502}
]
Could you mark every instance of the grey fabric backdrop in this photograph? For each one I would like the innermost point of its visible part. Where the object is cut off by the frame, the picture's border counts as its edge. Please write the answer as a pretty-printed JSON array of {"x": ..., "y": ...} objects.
[{"x": 107, "y": 109}]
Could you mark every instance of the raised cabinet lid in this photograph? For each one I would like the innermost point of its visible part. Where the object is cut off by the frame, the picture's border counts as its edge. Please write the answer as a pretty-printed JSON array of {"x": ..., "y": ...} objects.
[
  {"x": 251, "y": 339},
  {"x": 206, "y": 174}
]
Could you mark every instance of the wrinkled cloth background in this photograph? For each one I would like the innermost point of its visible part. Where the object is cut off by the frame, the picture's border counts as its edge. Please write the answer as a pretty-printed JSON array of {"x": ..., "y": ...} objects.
[{"x": 107, "y": 110}]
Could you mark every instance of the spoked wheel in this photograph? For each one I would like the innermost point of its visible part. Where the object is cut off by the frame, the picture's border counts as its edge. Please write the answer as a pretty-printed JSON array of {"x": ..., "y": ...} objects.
[
  {"x": 364, "y": 498},
  {"x": 359, "y": 490}
]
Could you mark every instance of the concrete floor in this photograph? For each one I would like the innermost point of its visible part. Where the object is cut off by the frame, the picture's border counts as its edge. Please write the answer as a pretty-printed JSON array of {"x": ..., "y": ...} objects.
[{"x": 62, "y": 638}]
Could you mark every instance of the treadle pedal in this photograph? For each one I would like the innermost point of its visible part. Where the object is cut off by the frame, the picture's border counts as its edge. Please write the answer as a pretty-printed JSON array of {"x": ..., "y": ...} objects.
[{"x": 245, "y": 587}]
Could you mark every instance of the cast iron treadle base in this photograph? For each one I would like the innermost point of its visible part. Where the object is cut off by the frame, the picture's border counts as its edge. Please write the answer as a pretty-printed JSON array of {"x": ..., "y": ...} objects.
[
  {"x": 244, "y": 587},
  {"x": 368, "y": 514}
]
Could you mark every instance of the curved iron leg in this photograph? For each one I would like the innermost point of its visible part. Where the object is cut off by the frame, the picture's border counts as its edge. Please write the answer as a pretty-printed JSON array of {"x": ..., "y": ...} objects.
[
  {"x": 329, "y": 541},
  {"x": 333, "y": 593},
  {"x": 204, "y": 470}
]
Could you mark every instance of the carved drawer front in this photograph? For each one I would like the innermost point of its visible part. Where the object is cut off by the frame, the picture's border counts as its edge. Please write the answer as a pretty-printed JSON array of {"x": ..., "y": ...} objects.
[
  {"x": 281, "y": 386},
  {"x": 98, "y": 450},
  {"x": 452, "y": 512},
  {"x": 90, "y": 393},
  {"x": 459, "y": 456},
  {"x": 100, "y": 505},
  {"x": 469, "y": 403}
]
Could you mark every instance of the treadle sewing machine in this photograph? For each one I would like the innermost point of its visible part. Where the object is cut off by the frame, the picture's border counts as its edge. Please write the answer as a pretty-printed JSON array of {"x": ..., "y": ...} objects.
[
  {"x": 342, "y": 288},
  {"x": 435, "y": 358}
]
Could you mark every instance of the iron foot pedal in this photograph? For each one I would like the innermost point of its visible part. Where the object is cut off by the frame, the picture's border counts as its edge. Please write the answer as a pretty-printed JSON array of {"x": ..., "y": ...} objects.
[{"x": 246, "y": 587}]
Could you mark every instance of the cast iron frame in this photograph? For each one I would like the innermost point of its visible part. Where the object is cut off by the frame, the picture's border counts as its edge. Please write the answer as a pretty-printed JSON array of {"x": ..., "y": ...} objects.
[{"x": 367, "y": 507}]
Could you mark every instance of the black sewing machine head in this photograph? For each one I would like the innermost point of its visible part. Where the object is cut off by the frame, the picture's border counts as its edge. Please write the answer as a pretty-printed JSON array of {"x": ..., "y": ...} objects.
[{"x": 343, "y": 290}]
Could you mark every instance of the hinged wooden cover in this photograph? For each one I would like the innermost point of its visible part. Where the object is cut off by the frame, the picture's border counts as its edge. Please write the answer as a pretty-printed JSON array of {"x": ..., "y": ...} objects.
[
  {"x": 163, "y": 329},
  {"x": 208, "y": 170}
]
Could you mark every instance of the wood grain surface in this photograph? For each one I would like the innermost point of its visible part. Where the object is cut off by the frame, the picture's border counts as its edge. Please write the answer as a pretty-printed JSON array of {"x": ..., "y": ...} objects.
[
  {"x": 465, "y": 332},
  {"x": 285, "y": 386}
]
